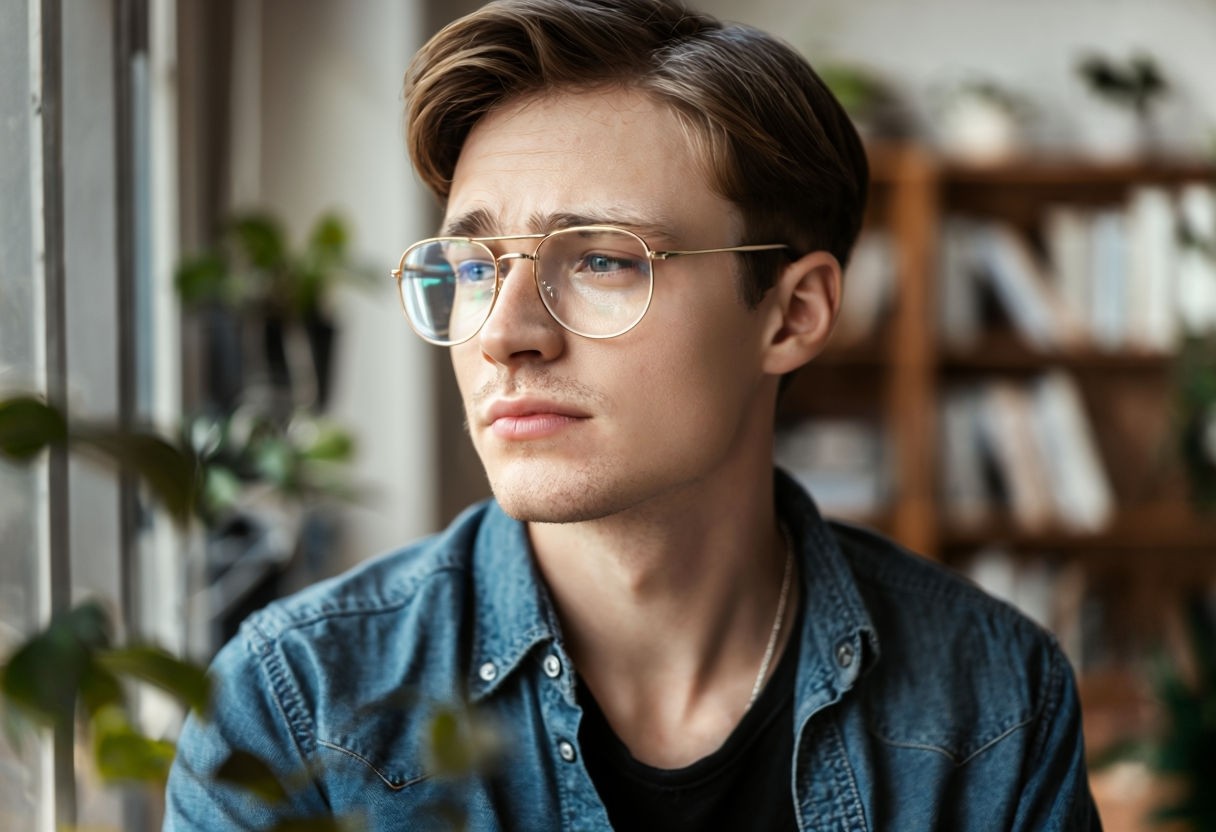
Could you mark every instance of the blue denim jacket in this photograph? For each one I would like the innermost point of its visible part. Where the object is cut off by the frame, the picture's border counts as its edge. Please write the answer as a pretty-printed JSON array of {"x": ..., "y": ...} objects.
[{"x": 921, "y": 703}]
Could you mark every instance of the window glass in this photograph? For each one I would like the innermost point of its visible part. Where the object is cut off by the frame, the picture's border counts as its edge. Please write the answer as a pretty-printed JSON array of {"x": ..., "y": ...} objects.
[{"x": 21, "y": 512}]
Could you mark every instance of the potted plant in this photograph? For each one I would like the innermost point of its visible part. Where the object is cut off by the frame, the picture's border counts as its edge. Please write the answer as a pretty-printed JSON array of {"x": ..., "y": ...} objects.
[
  {"x": 261, "y": 296},
  {"x": 1131, "y": 90},
  {"x": 72, "y": 677},
  {"x": 981, "y": 120}
]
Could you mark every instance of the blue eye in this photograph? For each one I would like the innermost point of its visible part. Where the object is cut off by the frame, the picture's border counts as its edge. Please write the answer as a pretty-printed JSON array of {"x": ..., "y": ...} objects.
[
  {"x": 475, "y": 271},
  {"x": 602, "y": 263}
]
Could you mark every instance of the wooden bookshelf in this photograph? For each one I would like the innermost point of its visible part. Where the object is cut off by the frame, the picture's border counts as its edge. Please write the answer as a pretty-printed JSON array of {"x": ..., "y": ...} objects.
[{"x": 1156, "y": 548}]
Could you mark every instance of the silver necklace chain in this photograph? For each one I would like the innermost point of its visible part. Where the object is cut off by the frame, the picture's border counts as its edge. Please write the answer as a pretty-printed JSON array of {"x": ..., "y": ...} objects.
[{"x": 780, "y": 619}]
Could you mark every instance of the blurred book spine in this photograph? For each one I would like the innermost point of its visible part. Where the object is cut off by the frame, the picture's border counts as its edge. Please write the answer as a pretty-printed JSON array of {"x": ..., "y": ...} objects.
[{"x": 1120, "y": 277}]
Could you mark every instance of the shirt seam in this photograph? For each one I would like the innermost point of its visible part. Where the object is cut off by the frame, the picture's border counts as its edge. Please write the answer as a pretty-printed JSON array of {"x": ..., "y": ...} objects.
[
  {"x": 957, "y": 760},
  {"x": 272, "y": 625},
  {"x": 295, "y": 716},
  {"x": 395, "y": 786}
]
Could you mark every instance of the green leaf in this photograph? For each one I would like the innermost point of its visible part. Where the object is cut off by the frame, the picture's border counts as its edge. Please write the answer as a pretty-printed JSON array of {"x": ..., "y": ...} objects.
[
  {"x": 47, "y": 673},
  {"x": 186, "y": 682},
  {"x": 331, "y": 444},
  {"x": 205, "y": 278},
  {"x": 123, "y": 754},
  {"x": 168, "y": 472},
  {"x": 27, "y": 425},
  {"x": 329, "y": 238},
  {"x": 87, "y": 622},
  {"x": 276, "y": 462},
  {"x": 449, "y": 754},
  {"x": 221, "y": 489},
  {"x": 134, "y": 757},
  {"x": 260, "y": 238},
  {"x": 250, "y": 773},
  {"x": 99, "y": 688}
]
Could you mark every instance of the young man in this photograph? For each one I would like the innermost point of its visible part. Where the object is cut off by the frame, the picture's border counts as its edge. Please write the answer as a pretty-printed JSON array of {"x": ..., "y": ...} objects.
[{"x": 646, "y": 217}]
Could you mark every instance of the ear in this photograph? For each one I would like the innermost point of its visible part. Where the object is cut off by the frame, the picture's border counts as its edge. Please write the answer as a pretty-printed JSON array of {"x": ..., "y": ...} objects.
[{"x": 805, "y": 301}]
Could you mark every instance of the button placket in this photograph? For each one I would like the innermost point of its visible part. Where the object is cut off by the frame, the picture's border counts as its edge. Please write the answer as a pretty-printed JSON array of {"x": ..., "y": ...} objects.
[{"x": 565, "y": 750}]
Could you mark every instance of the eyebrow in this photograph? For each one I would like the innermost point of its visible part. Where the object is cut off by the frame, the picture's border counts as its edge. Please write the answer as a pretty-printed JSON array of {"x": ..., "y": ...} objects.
[
  {"x": 475, "y": 223},
  {"x": 479, "y": 222}
]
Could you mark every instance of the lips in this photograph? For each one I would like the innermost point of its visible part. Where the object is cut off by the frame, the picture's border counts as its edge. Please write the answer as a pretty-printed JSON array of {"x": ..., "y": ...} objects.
[{"x": 518, "y": 419}]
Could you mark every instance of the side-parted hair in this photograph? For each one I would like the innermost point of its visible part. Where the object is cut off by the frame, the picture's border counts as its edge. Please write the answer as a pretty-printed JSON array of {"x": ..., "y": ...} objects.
[{"x": 773, "y": 139}]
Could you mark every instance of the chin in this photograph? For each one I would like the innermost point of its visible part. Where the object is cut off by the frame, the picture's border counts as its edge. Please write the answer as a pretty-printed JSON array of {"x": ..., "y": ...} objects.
[{"x": 541, "y": 494}]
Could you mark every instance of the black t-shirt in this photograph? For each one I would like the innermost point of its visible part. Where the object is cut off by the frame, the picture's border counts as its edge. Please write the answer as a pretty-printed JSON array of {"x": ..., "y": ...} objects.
[{"x": 745, "y": 784}]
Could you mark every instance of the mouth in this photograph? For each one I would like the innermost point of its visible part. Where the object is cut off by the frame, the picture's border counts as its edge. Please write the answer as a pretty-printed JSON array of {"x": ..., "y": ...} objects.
[{"x": 521, "y": 419}]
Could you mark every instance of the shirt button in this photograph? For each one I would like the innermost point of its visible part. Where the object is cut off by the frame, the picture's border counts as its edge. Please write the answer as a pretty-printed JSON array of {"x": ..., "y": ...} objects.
[
  {"x": 488, "y": 672},
  {"x": 844, "y": 654},
  {"x": 553, "y": 666},
  {"x": 566, "y": 750}
]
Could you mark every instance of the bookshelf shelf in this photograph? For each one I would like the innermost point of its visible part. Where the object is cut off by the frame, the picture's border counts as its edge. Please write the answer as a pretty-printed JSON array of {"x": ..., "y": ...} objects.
[
  {"x": 997, "y": 354},
  {"x": 1074, "y": 173},
  {"x": 1165, "y": 530}
]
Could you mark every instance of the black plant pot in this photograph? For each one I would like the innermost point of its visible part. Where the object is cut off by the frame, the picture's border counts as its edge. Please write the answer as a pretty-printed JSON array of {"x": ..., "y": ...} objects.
[{"x": 288, "y": 359}]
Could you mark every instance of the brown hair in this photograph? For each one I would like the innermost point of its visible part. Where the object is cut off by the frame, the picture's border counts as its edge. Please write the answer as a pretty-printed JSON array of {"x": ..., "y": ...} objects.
[{"x": 775, "y": 141}]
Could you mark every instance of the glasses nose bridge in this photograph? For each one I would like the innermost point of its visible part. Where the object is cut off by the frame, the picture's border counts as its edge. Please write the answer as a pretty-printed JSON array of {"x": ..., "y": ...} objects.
[
  {"x": 515, "y": 255},
  {"x": 506, "y": 257}
]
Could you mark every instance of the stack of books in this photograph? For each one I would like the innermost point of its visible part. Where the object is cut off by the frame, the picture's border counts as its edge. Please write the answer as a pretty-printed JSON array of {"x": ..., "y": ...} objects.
[
  {"x": 1026, "y": 449},
  {"x": 1116, "y": 279}
]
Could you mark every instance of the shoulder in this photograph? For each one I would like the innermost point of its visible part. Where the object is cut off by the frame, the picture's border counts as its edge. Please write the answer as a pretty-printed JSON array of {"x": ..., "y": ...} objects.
[
  {"x": 901, "y": 586},
  {"x": 958, "y": 670},
  {"x": 421, "y": 573},
  {"x": 338, "y": 678},
  {"x": 387, "y": 618},
  {"x": 307, "y": 668}
]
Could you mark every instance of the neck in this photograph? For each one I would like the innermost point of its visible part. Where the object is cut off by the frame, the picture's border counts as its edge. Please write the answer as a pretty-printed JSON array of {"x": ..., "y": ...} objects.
[{"x": 667, "y": 610}]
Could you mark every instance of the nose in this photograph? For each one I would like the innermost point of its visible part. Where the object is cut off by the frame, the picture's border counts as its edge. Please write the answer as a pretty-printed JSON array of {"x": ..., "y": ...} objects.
[{"x": 520, "y": 328}]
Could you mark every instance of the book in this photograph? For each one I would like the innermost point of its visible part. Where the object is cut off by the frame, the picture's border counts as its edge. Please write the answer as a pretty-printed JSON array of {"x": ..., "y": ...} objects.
[
  {"x": 958, "y": 287},
  {"x": 1009, "y": 435},
  {"x": 1108, "y": 278},
  {"x": 1066, "y": 238},
  {"x": 1079, "y": 486},
  {"x": 1152, "y": 322},
  {"x": 966, "y": 496},
  {"x": 1033, "y": 305}
]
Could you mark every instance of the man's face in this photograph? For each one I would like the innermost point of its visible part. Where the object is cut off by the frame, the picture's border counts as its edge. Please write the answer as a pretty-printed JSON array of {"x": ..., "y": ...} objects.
[{"x": 570, "y": 428}]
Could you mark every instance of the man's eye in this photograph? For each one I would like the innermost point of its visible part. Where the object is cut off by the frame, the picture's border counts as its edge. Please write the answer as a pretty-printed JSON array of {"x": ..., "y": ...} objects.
[
  {"x": 472, "y": 271},
  {"x": 608, "y": 264}
]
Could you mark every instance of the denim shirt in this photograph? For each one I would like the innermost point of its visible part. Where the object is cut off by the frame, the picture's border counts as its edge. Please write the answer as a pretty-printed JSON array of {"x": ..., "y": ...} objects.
[{"x": 920, "y": 702}]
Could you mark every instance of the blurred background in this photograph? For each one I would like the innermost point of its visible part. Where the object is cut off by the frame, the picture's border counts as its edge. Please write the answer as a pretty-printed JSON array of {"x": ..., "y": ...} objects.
[{"x": 200, "y": 201}]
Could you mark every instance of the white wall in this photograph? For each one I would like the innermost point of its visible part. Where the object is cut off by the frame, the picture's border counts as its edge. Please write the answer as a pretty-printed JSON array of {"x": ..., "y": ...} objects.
[
  {"x": 331, "y": 138},
  {"x": 1031, "y": 47}
]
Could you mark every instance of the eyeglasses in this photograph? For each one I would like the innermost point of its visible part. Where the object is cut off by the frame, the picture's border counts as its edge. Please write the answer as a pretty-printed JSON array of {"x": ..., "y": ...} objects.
[{"x": 595, "y": 280}]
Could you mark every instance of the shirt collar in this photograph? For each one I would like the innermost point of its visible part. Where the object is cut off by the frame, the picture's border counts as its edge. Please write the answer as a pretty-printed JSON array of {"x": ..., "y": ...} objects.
[
  {"x": 513, "y": 612},
  {"x": 838, "y": 641}
]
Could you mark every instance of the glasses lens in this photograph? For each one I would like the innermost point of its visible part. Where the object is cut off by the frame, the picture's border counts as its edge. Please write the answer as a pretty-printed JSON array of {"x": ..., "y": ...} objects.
[
  {"x": 447, "y": 288},
  {"x": 595, "y": 282}
]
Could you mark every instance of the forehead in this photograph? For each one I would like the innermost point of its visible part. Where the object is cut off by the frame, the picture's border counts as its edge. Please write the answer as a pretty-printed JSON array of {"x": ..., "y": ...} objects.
[{"x": 615, "y": 155}]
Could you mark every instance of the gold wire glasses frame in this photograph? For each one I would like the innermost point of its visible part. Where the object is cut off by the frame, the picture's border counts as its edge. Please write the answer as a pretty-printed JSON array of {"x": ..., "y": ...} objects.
[{"x": 430, "y": 271}]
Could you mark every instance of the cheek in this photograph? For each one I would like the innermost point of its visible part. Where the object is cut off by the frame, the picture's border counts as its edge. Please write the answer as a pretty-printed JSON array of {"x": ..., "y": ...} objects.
[
  {"x": 693, "y": 378},
  {"x": 466, "y": 361}
]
